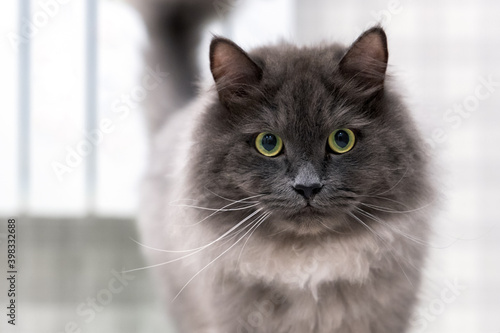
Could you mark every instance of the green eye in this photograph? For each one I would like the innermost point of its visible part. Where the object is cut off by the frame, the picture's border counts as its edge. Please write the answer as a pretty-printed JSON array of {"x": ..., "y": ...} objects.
[
  {"x": 341, "y": 140},
  {"x": 268, "y": 144}
]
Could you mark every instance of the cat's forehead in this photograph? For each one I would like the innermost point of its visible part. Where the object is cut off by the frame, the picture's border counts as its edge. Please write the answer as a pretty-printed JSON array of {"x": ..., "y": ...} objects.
[
  {"x": 300, "y": 97},
  {"x": 304, "y": 116},
  {"x": 300, "y": 93}
]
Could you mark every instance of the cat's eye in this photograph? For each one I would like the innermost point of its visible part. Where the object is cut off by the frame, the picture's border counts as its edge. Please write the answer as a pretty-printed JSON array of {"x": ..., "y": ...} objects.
[
  {"x": 268, "y": 144},
  {"x": 341, "y": 140}
]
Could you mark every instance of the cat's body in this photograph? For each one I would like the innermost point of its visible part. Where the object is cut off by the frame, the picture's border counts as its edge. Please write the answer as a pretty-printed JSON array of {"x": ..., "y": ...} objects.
[{"x": 275, "y": 258}]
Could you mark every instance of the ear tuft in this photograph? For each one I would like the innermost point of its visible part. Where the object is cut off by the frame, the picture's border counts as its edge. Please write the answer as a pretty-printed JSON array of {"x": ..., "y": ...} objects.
[
  {"x": 366, "y": 60},
  {"x": 234, "y": 72}
]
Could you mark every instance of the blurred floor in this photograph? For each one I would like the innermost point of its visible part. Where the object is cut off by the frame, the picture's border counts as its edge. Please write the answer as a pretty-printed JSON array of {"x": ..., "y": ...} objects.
[{"x": 69, "y": 278}]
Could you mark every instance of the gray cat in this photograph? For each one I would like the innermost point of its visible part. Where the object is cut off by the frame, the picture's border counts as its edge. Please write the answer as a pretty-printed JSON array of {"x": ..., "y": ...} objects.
[{"x": 288, "y": 197}]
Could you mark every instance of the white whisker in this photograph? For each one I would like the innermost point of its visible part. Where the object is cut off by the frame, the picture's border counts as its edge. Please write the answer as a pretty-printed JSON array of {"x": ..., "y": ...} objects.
[
  {"x": 402, "y": 233},
  {"x": 223, "y": 209},
  {"x": 384, "y": 242},
  {"x": 281, "y": 231},
  {"x": 384, "y": 198},
  {"x": 211, "y": 262},
  {"x": 397, "y": 230},
  {"x": 227, "y": 199},
  {"x": 262, "y": 219},
  {"x": 389, "y": 210},
  {"x": 194, "y": 251},
  {"x": 397, "y": 183},
  {"x": 335, "y": 231},
  {"x": 217, "y": 209},
  {"x": 172, "y": 203},
  {"x": 236, "y": 233}
]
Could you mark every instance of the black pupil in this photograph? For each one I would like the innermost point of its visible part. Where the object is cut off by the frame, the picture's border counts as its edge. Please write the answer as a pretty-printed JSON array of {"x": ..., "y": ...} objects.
[
  {"x": 342, "y": 139},
  {"x": 269, "y": 142}
]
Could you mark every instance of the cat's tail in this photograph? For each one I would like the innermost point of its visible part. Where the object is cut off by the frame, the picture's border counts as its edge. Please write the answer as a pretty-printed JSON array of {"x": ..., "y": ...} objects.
[{"x": 174, "y": 28}]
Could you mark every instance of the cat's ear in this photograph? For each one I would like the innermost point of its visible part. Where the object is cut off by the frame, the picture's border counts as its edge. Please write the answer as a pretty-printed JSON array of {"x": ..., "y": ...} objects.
[
  {"x": 365, "y": 62},
  {"x": 236, "y": 75}
]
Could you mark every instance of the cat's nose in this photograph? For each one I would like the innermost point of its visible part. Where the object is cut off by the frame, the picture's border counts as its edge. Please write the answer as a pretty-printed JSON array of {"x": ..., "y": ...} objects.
[{"x": 308, "y": 190}]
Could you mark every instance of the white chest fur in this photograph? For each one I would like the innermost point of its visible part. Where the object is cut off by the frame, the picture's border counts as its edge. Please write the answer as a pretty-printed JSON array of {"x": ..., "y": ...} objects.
[{"x": 309, "y": 266}]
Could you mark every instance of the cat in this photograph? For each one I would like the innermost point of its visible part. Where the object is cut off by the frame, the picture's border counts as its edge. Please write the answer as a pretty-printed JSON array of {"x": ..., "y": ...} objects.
[{"x": 290, "y": 196}]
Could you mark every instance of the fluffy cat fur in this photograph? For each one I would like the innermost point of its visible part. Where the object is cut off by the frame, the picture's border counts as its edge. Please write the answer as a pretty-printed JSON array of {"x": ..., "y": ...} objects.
[{"x": 235, "y": 245}]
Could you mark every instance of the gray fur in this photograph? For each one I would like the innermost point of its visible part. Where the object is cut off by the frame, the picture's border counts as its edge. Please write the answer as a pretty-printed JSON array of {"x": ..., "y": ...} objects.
[{"x": 325, "y": 268}]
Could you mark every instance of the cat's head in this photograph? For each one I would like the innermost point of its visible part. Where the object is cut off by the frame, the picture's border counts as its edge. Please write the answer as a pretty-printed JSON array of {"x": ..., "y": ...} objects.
[{"x": 311, "y": 134}]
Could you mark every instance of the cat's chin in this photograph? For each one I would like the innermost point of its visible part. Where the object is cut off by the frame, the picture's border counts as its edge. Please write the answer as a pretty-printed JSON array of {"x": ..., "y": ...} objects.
[{"x": 309, "y": 221}]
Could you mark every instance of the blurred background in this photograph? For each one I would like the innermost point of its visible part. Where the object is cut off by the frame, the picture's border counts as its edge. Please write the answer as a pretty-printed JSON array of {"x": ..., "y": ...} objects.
[{"x": 71, "y": 163}]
